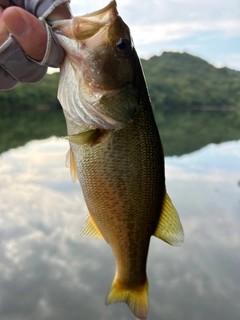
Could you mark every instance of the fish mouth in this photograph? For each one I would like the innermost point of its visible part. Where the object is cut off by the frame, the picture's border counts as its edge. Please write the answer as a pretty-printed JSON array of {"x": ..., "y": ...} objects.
[
  {"x": 104, "y": 14},
  {"x": 86, "y": 26}
]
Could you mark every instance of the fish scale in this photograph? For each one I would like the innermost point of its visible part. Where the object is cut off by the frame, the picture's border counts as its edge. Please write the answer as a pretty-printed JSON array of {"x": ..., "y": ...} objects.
[
  {"x": 115, "y": 148},
  {"x": 133, "y": 194}
]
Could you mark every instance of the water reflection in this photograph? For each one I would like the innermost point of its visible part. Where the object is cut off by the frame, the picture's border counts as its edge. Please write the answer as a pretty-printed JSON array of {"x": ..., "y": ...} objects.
[{"x": 48, "y": 272}]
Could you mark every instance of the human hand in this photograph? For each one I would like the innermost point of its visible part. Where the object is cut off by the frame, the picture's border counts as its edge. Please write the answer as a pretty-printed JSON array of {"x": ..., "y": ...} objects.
[
  {"x": 33, "y": 37},
  {"x": 26, "y": 29}
]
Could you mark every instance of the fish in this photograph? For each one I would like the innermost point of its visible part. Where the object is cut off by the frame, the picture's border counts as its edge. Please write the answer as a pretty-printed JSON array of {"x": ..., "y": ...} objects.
[{"x": 115, "y": 148}]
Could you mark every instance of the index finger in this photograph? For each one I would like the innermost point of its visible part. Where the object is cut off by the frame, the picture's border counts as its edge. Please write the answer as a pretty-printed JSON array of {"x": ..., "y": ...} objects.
[{"x": 27, "y": 30}]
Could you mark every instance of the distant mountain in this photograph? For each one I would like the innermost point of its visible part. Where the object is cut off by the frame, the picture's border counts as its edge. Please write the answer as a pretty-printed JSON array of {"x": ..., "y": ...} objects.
[
  {"x": 41, "y": 95},
  {"x": 180, "y": 80},
  {"x": 175, "y": 81}
]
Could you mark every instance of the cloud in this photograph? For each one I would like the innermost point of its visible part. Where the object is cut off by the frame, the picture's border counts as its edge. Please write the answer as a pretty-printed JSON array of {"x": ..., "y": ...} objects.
[
  {"x": 158, "y": 25},
  {"x": 48, "y": 272},
  {"x": 195, "y": 15}
]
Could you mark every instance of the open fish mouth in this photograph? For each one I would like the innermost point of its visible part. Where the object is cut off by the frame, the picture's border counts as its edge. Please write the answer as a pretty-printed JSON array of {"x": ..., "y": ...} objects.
[{"x": 84, "y": 27}]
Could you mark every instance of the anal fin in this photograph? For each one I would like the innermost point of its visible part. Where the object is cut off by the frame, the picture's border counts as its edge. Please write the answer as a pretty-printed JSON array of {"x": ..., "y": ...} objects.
[
  {"x": 90, "y": 229},
  {"x": 169, "y": 228}
]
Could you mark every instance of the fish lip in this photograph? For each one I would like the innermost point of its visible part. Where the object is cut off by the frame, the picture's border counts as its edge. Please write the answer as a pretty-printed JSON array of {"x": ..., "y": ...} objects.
[
  {"x": 111, "y": 7},
  {"x": 83, "y": 28},
  {"x": 94, "y": 17},
  {"x": 86, "y": 30}
]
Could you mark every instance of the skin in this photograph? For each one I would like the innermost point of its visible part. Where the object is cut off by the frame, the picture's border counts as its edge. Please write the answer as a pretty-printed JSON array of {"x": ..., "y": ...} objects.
[{"x": 27, "y": 29}]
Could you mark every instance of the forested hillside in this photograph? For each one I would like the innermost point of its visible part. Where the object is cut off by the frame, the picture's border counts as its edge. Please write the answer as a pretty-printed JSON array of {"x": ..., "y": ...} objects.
[
  {"x": 178, "y": 80},
  {"x": 184, "y": 90},
  {"x": 41, "y": 95},
  {"x": 175, "y": 80}
]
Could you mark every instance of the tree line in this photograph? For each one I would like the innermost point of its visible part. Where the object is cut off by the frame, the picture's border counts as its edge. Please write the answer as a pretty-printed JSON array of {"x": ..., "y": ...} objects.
[{"x": 175, "y": 81}]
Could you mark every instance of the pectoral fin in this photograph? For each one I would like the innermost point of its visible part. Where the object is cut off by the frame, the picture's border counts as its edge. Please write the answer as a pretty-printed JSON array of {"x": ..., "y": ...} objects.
[
  {"x": 70, "y": 162},
  {"x": 89, "y": 137},
  {"x": 90, "y": 229},
  {"x": 169, "y": 227}
]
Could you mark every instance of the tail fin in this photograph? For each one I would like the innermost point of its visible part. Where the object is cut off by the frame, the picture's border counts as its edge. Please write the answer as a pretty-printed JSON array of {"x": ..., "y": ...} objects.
[{"x": 136, "y": 298}]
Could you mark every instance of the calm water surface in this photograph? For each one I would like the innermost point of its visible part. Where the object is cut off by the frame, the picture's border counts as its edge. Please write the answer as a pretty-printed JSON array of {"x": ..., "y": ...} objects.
[{"x": 48, "y": 272}]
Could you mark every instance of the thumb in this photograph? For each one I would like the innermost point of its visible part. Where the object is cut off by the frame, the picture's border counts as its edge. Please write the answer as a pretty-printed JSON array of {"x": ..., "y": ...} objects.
[
  {"x": 27, "y": 30},
  {"x": 3, "y": 30}
]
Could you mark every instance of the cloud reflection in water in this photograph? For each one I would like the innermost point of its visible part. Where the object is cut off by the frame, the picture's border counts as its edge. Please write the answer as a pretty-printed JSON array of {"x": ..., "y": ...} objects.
[{"x": 48, "y": 272}]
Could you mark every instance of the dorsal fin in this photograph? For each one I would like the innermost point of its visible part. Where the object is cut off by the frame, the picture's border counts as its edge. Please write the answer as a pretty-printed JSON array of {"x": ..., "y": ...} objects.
[
  {"x": 90, "y": 229},
  {"x": 70, "y": 162},
  {"x": 169, "y": 228}
]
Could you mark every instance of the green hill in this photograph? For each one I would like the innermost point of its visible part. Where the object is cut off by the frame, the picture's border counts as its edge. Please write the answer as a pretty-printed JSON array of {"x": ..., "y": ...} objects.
[
  {"x": 182, "y": 87},
  {"x": 180, "y": 80},
  {"x": 41, "y": 95},
  {"x": 175, "y": 80}
]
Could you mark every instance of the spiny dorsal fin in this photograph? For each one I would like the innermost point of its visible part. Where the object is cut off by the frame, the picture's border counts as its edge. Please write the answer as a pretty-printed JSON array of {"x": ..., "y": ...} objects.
[
  {"x": 89, "y": 137},
  {"x": 90, "y": 229},
  {"x": 169, "y": 227},
  {"x": 70, "y": 162}
]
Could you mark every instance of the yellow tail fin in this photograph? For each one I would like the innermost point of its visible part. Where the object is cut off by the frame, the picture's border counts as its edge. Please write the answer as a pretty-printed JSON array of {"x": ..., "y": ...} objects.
[{"x": 136, "y": 298}]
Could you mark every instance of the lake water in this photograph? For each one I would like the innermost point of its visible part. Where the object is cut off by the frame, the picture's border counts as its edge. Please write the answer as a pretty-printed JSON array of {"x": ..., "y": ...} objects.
[{"x": 48, "y": 272}]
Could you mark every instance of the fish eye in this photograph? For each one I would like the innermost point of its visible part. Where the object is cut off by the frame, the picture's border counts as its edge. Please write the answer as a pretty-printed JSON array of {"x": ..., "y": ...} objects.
[{"x": 123, "y": 46}]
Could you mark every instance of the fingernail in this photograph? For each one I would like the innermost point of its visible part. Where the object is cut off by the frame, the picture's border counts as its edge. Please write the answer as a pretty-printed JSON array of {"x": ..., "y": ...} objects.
[{"x": 18, "y": 26}]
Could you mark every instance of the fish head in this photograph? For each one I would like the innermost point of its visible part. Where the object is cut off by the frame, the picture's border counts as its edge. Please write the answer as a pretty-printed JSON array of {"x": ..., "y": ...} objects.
[{"x": 101, "y": 55}]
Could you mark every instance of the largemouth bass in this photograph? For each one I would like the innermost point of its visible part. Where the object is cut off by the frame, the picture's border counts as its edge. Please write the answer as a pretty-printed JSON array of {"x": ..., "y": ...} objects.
[{"x": 115, "y": 148}]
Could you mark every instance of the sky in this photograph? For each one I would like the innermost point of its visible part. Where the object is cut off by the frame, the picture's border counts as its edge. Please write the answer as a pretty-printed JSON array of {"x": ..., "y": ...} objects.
[{"x": 209, "y": 29}]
